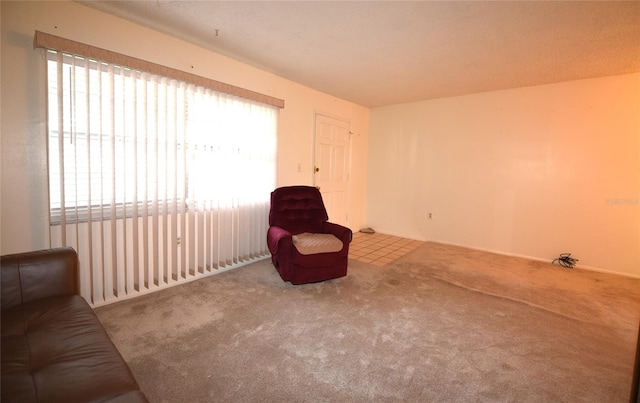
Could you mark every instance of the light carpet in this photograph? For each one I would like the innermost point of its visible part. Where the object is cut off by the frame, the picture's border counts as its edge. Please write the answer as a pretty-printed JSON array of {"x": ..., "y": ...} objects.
[{"x": 442, "y": 324}]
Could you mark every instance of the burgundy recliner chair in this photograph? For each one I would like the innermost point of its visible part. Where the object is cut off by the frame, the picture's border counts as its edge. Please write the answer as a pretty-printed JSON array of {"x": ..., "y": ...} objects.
[{"x": 305, "y": 247}]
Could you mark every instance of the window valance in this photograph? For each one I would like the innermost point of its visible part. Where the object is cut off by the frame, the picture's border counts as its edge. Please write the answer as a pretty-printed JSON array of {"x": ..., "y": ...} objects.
[{"x": 48, "y": 41}]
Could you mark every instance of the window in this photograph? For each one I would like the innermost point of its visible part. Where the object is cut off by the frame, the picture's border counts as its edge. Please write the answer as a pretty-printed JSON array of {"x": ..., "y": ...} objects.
[
  {"x": 156, "y": 176},
  {"x": 126, "y": 142}
]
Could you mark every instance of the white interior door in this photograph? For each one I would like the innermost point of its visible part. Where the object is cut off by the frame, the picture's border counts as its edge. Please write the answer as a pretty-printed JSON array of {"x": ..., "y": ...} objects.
[{"x": 331, "y": 168}]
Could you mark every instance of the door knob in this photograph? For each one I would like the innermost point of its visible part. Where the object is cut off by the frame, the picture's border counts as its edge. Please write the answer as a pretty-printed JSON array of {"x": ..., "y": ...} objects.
[{"x": 317, "y": 169}]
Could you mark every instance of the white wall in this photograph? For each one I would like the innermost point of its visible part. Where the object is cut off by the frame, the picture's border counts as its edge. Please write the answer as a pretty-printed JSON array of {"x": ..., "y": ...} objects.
[
  {"x": 534, "y": 171},
  {"x": 23, "y": 175}
]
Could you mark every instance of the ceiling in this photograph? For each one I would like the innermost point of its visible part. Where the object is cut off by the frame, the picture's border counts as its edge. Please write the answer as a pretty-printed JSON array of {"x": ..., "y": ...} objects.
[{"x": 391, "y": 52}]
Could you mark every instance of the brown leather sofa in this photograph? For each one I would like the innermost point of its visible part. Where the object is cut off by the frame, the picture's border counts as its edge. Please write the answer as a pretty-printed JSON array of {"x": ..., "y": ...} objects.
[{"x": 54, "y": 349}]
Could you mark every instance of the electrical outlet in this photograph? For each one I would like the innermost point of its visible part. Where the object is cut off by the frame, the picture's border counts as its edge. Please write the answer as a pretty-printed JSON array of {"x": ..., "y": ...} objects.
[
  {"x": 430, "y": 216},
  {"x": 299, "y": 167}
]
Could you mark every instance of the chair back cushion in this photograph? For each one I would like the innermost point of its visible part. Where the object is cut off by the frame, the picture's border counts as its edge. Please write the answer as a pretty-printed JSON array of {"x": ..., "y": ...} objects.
[{"x": 297, "y": 209}]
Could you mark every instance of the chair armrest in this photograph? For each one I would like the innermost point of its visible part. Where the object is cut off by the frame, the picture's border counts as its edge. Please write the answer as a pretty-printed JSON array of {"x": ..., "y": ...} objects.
[
  {"x": 341, "y": 232},
  {"x": 278, "y": 237},
  {"x": 31, "y": 276}
]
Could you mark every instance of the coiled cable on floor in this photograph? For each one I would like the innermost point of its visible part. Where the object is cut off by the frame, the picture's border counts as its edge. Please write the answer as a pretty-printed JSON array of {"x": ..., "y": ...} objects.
[{"x": 565, "y": 260}]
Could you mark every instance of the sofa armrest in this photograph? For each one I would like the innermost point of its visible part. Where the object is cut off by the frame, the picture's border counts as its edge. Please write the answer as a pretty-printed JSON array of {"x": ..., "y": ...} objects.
[
  {"x": 341, "y": 232},
  {"x": 31, "y": 276},
  {"x": 277, "y": 237}
]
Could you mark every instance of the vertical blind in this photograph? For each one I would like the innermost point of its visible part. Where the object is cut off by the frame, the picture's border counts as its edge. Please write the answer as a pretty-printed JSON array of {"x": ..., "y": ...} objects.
[{"x": 153, "y": 180}]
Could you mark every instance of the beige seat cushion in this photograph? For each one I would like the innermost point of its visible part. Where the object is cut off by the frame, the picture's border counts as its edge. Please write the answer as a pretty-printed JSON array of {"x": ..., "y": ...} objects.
[{"x": 309, "y": 244}]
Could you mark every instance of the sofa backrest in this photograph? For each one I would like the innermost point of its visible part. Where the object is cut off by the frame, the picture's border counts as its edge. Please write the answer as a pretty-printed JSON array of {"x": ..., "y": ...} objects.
[
  {"x": 29, "y": 276},
  {"x": 297, "y": 209}
]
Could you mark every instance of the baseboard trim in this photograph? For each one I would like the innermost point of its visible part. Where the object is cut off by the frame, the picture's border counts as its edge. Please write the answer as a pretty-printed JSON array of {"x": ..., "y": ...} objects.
[{"x": 535, "y": 258}]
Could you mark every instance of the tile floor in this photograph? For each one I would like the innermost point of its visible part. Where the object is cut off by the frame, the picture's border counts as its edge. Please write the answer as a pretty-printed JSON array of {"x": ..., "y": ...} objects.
[{"x": 380, "y": 249}]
